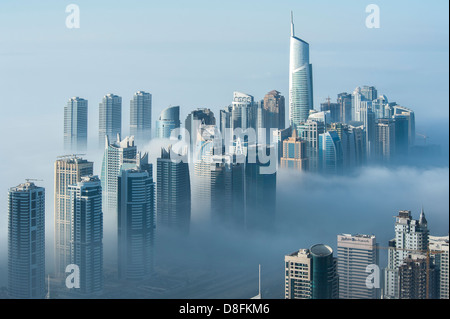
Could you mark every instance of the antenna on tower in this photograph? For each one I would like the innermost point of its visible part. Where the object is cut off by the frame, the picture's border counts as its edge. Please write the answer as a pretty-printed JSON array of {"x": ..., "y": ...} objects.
[
  {"x": 258, "y": 296},
  {"x": 292, "y": 24}
]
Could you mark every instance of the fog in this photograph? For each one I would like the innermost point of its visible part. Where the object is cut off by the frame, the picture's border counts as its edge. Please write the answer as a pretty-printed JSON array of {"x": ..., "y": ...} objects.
[{"x": 223, "y": 263}]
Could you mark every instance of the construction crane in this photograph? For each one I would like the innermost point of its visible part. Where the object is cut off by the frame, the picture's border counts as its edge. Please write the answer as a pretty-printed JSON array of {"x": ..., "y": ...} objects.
[
  {"x": 427, "y": 253},
  {"x": 424, "y": 137}
]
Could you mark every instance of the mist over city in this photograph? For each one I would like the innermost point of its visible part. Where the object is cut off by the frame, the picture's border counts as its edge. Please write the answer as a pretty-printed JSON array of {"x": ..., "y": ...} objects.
[{"x": 380, "y": 159}]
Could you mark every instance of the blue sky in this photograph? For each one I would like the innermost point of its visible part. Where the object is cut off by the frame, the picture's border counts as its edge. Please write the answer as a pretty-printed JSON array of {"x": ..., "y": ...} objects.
[{"x": 196, "y": 53}]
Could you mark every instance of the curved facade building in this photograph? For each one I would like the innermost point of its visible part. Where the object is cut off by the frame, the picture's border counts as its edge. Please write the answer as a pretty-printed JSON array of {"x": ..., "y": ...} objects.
[
  {"x": 169, "y": 120},
  {"x": 300, "y": 80},
  {"x": 324, "y": 269}
]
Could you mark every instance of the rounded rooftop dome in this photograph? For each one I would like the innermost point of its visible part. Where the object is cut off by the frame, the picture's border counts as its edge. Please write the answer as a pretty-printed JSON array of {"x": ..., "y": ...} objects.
[{"x": 321, "y": 250}]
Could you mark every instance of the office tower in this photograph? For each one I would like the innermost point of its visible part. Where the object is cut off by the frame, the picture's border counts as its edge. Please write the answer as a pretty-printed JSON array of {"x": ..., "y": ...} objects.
[
  {"x": 439, "y": 247},
  {"x": 225, "y": 119},
  {"x": 413, "y": 281},
  {"x": 116, "y": 154},
  {"x": 355, "y": 254},
  {"x": 379, "y": 107},
  {"x": 280, "y": 136},
  {"x": 136, "y": 220},
  {"x": 243, "y": 111},
  {"x": 409, "y": 114},
  {"x": 331, "y": 158},
  {"x": 401, "y": 135},
  {"x": 411, "y": 237},
  {"x": 311, "y": 274},
  {"x": 68, "y": 171},
  {"x": 300, "y": 80},
  {"x": 345, "y": 107},
  {"x": 109, "y": 118},
  {"x": 168, "y": 121},
  {"x": 294, "y": 153},
  {"x": 385, "y": 140},
  {"x": 333, "y": 108},
  {"x": 173, "y": 192},
  {"x": 26, "y": 241},
  {"x": 141, "y": 117},
  {"x": 195, "y": 119},
  {"x": 201, "y": 177},
  {"x": 369, "y": 93},
  {"x": 260, "y": 188},
  {"x": 357, "y": 98},
  {"x": 75, "y": 124},
  {"x": 310, "y": 132},
  {"x": 368, "y": 120},
  {"x": 348, "y": 141},
  {"x": 360, "y": 144},
  {"x": 87, "y": 233},
  {"x": 274, "y": 115},
  {"x": 227, "y": 192}
]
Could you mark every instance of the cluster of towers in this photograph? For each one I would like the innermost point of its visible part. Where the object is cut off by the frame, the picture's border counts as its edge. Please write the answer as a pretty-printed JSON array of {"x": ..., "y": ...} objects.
[{"x": 417, "y": 266}]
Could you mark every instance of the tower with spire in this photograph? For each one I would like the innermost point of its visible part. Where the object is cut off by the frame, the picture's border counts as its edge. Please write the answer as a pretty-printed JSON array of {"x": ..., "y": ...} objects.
[{"x": 300, "y": 80}]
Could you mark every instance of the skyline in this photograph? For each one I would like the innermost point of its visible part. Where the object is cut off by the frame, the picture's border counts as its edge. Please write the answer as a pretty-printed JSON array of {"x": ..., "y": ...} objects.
[{"x": 39, "y": 142}]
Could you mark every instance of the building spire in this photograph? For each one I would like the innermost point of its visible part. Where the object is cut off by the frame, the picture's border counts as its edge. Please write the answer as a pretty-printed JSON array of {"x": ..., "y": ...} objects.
[
  {"x": 422, "y": 219},
  {"x": 292, "y": 24}
]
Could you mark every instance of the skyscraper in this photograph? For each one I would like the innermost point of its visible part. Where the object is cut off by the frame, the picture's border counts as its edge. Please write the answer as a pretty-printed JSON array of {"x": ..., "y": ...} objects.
[
  {"x": 26, "y": 241},
  {"x": 416, "y": 279},
  {"x": 331, "y": 158},
  {"x": 136, "y": 222},
  {"x": 227, "y": 192},
  {"x": 141, "y": 117},
  {"x": 76, "y": 124},
  {"x": 260, "y": 189},
  {"x": 243, "y": 111},
  {"x": 441, "y": 245},
  {"x": 168, "y": 121},
  {"x": 355, "y": 254},
  {"x": 385, "y": 140},
  {"x": 311, "y": 274},
  {"x": 300, "y": 80},
  {"x": 409, "y": 114},
  {"x": 310, "y": 132},
  {"x": 195, "y": 119},
  {"x": 68, "y": 171},
  {"x": 109, "y": 118},
  {"x": 411, "y": 237},
  {"x": 87, "y": 233},
  {"x": 345, "y": 106},
  {"x": 294, "y": 153},
  {"x": 173, "y": 193}
]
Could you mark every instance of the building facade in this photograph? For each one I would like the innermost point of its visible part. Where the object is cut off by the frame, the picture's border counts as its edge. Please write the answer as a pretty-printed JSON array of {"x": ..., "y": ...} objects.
[
  {"x": 109, "y": 118},
  {"x": 76, "y": 124}
]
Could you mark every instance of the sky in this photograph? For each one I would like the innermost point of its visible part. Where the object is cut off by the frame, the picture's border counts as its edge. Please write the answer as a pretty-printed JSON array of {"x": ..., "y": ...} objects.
[{"x": 196, "y": 53}]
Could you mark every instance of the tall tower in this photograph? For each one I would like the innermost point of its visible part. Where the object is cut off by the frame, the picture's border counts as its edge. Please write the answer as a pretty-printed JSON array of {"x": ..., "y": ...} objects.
[
  {"x": 411, "y": 237},
  {"x": 355, "y": 253},
  {"x": 300, "y": 80},
  {"x": 195, "y": 120},
  {"x": 109, "y": 117},
  {"x": 75, "y": 124},
  {"x": 441, "y": 244},
  {"x": 168, "y": 121},
  {"x": 311, "y": 274},
  {"x": 68, "y": 171},
  {"x": 294, "y": 153},
  {"x": 136, "y": 221},
  {"x": 87, "y": 233},
  {"x": 26, "y": 241},
  {"x": 173, "y": 193},
  {"x": 141, "y": 116}
]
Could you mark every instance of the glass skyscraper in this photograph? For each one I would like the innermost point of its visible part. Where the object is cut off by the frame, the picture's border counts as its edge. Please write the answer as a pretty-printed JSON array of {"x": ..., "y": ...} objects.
[
  {"x": 168, "y": 121},
  {"x": 141, "y": 116},
  {"x": 300, "y": 80},
  {"x": 109, "y": 118},
  {"x": 26, "y": 241},
  {"x": 76, "y": 124}
]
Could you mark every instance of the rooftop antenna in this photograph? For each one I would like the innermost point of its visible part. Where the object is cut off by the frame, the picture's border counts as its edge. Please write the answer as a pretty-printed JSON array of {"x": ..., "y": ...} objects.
[
  {"x": 292, "y": 24},
  {"x": 258, "y": 296}
]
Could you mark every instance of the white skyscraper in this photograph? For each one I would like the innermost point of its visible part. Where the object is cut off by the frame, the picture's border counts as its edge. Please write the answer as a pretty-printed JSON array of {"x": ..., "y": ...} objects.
[
  {"x": 300, "y": 80},
  {"x": 440, "y": 244},
  {"x": 411, "y": 237},
  {"x": 355, "y": 254}
]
